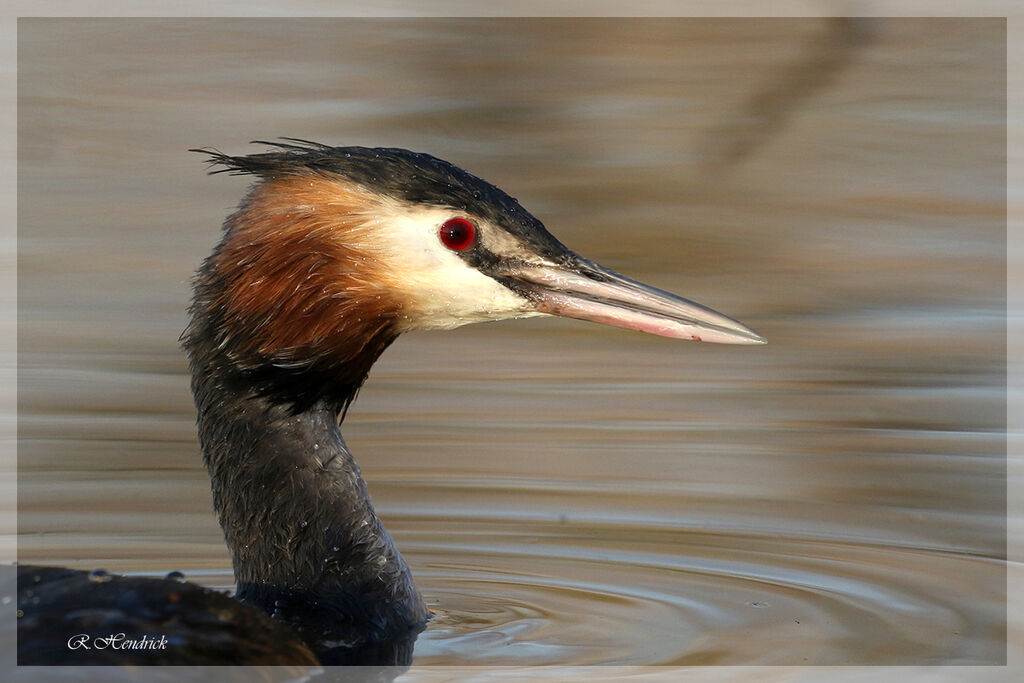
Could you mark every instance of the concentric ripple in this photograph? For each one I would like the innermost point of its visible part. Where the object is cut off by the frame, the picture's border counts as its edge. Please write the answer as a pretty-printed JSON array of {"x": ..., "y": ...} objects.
[{"x": 514, "y": 591}]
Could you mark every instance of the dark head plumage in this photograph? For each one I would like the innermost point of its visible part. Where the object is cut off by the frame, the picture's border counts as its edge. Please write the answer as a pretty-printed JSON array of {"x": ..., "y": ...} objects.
[{"x": 413, "y": 177}]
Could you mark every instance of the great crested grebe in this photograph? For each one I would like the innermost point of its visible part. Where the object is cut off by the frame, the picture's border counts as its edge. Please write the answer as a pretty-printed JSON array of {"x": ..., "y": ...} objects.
[{"x": 333, "y": 253}]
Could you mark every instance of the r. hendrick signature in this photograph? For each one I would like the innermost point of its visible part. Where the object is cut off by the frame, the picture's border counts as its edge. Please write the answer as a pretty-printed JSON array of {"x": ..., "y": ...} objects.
[{"x": 116, "y": 641}]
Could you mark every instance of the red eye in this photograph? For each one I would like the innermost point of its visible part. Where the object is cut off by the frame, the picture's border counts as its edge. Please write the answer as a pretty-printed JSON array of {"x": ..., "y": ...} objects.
[{"x": 457, "y": 233}]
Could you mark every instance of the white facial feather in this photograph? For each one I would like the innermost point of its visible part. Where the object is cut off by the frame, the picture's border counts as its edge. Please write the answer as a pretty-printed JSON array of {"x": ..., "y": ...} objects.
[{"x": 435, "y": 287}]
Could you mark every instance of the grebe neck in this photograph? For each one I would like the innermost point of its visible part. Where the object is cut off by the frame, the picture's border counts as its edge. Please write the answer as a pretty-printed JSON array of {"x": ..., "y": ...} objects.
[{"x": 306, "y": 544}]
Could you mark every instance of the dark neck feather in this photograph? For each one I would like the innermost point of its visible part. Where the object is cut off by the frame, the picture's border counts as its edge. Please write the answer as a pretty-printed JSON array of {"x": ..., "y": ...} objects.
[{"x": 306, "y": 544}]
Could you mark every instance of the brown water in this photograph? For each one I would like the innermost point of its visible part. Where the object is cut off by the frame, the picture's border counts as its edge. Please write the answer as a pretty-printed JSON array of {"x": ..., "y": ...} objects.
[{"x": 565, "y": 493}]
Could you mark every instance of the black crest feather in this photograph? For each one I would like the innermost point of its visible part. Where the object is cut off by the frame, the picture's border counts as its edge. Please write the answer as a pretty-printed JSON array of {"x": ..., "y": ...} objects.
[{"x": 411, "y": 176}]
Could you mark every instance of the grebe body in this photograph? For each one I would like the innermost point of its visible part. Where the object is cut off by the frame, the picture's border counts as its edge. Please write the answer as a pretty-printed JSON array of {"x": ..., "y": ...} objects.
[{"x": 334, "y": 253}]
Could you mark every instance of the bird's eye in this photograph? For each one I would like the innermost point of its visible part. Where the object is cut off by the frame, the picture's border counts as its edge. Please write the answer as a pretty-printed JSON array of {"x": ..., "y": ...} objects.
[{"x": 457, "y": 233}]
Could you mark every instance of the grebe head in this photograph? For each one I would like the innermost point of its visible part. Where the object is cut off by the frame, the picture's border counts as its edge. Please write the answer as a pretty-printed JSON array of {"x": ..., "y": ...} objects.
[{"x": 337, "y": 250}]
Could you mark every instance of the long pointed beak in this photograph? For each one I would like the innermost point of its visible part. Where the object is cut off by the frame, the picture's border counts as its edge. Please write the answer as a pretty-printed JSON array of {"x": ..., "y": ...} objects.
[{"x": 587, "y": 291}]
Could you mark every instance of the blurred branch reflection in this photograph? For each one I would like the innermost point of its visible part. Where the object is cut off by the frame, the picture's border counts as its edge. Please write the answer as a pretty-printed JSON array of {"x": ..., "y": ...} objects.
[{"x": 767, "y": 110}]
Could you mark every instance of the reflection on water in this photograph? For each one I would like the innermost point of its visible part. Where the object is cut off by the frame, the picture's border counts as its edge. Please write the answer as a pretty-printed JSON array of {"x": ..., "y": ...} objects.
[{"x": 566, "y": 493}]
